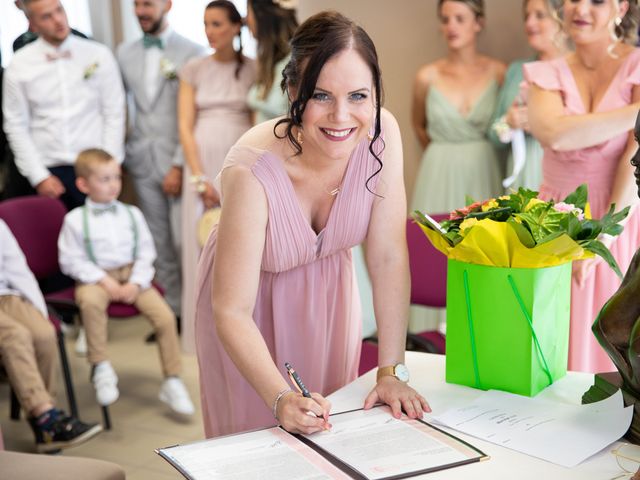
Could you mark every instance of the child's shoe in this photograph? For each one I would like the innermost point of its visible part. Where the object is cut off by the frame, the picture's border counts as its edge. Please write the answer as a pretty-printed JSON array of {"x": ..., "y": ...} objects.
[
  {"x": 174, "y": 393},
  {"x": 55, "y": 430},
  {"x": 81, "y": 343},
  {"x": 105, "y": 381}
]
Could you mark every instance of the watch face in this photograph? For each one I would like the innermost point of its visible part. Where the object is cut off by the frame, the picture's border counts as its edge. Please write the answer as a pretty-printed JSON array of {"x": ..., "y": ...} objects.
[{"x": 402, "y": 372}]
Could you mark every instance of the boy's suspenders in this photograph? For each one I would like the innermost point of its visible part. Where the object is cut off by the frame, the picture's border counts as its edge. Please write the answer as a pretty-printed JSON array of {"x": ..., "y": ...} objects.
[{"x": 87, "y": 240}]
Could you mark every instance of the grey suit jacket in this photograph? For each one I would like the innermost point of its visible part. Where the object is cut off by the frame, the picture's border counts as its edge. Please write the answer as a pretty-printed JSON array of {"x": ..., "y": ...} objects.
[{"x": 153, "y": 144}]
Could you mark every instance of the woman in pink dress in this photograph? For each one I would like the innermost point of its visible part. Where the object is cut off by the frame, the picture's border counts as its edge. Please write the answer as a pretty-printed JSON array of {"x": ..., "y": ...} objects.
[
  {"x": 297, "y": 194},
  {"x": 212, "y": 115},
  {"x": 582, "y": 109}
]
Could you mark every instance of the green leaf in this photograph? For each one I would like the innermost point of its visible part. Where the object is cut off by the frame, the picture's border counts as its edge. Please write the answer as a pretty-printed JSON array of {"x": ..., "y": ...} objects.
[
  {"x": 610, "y": 220},
  {"x": 419, "y": 217},
  {"x": 570, "y": 224},
  {"x": 598, "y": 248},
  {"x": 590, "y": 230},
  {"x": 523, "y": 233},
  {"x": 468, "y": 200},
  {"x": 498, "y": 214},
  {"x": 579, "y": 197}
]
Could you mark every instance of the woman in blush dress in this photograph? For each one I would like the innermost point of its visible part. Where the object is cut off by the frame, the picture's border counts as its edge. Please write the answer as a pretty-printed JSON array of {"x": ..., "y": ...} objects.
[
  {"x": 212, "y": 115},
  {"x": 298, "y": 193},
  {"x": 545, "y": 36},
  {"x": 272, "y": 23},
  {"x": 582, "y": 109},
  {"x": 453, "y": 103}
]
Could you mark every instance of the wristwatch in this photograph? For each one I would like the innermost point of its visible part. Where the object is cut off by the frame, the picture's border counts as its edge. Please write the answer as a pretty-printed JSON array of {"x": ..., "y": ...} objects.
[{"x": 399, "y": 370}]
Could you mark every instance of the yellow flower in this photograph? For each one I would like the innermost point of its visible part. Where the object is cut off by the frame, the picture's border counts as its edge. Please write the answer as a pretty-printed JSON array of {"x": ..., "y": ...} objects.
[
  {"x": 466, "y": 224},
  {"x": 504, "y": 197},
  {"x": 532, "y": 203},
  {"x": 489, "y": 204},
  {"x": 587, "y": 211}
]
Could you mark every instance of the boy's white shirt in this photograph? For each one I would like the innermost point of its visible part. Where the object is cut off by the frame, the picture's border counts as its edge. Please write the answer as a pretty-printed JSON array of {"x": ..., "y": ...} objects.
[
  {"x": 112, "y": 241},
  {"x": 15, "y": 276}
]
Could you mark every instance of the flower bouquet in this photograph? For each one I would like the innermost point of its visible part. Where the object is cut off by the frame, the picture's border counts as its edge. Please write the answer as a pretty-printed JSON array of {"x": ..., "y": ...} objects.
[
  {"x": 509, "y": 285},
  {"x": 521, "y": 231}
]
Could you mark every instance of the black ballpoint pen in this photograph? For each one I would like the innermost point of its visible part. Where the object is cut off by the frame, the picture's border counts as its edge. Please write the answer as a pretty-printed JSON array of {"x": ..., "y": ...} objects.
[{"x": 297, "y": 381}]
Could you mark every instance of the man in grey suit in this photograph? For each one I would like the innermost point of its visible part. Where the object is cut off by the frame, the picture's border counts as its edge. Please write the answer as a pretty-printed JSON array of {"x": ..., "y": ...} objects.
[{"x": 149, "y": 68}]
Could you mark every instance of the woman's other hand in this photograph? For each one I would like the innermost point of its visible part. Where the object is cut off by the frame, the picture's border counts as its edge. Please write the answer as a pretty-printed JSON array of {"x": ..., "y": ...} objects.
[
  {"x": 399, "y": 396},
  {"x": 518, "y": 116},
  {"x": 210, "y": 196}
]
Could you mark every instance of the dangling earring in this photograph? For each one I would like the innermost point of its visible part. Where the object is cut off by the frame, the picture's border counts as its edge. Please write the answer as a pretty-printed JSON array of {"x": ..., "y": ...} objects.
[
  {"x": 369, "y": 137},
  {"x": 299, "y": 137},
  {"x": 618, "y": 21}
]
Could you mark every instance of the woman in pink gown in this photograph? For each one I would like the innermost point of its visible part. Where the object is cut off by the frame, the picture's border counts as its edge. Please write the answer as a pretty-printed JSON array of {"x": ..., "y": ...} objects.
[
  {"x": 582, "y": 109},
  {"x": 297, "y": 194},
  {"x": 212, "y": 115}
]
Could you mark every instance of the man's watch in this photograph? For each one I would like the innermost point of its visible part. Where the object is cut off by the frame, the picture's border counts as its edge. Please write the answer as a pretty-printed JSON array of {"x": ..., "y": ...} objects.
[{"x": 399, "y": 370}]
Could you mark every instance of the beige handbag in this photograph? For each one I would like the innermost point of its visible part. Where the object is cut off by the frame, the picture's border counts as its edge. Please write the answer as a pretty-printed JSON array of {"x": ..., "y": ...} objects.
[{"x": 206, "y": 223}]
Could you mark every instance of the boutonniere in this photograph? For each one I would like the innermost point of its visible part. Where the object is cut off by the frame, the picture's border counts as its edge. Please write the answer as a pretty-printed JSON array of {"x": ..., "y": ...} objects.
[
  {"x": 90, "y": 70},
  {"x": 168, "y": 69}
]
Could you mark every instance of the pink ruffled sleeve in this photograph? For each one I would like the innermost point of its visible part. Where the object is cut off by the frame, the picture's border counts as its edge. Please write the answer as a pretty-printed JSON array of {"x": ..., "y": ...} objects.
[
  {"x": 545, "y": 75},
  {"x": 632, "y": 75}
]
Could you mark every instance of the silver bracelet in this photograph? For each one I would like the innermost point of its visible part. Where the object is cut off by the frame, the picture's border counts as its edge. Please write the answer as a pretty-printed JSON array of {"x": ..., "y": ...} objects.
[{"x": 281, "y": 394}]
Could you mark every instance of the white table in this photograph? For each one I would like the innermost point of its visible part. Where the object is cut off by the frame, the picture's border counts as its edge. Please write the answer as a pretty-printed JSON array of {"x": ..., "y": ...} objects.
[{"x": 427, "y": 376}]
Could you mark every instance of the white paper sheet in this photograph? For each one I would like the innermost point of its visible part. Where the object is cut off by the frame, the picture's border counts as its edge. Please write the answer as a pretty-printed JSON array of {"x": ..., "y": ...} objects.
[
  {"x": 250, "y": 456},
  {"x": 560, "y": 433},
  {"x": 379, "y": 446}
]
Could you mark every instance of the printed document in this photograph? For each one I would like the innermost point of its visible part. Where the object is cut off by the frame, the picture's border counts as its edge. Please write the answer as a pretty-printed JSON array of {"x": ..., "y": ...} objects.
[{"x": 560, "y": 433}]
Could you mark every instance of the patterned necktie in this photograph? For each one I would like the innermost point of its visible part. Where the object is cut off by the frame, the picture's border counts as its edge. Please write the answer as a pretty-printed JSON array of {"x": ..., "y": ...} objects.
[
  {"x": 151, "y": 41},
  {"x": 51, "y": 56},
  {"x": 99, "y": 211}
]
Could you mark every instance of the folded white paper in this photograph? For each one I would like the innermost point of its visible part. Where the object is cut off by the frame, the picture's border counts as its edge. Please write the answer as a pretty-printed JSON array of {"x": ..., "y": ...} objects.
[{"x": 557, "y": 432}]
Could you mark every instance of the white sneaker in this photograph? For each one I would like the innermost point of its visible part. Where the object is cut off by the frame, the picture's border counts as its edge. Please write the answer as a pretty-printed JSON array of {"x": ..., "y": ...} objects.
[
  {"x": 105, "y": 382},
  {"x": 174, "y": 393},
  {"x": 81, "y": 343}
]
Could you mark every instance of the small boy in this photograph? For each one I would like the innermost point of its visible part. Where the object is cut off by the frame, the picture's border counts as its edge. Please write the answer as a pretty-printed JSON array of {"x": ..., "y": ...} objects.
[
  {"x": 106, "y": 246},
  {"x": 29, "y": 351}
]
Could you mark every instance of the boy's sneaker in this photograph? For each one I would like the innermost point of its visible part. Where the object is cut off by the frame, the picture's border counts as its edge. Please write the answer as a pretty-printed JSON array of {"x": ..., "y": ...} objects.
[
  {"x": 105, "y": 381},
  {"x": 55, "y": 430},
  {"x": 81, "y": 343},
  {"x": 174, "y": 393}
]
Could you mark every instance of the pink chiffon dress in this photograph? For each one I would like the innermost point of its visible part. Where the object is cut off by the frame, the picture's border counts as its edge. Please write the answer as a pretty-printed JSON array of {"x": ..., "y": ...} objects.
[
  {"x": 596, "y": 166},
  {"x": 222, "y": 117},
  {"x": 307, "y": 306}
]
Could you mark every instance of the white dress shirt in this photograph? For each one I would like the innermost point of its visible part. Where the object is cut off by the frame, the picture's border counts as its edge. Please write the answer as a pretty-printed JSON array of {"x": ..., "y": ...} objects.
[
  {"x": 15, "y": 276},
  {"x": 112, "y": 239},
  {"x": 55, "y": 108},
  {"x": 152, "y": 69}
]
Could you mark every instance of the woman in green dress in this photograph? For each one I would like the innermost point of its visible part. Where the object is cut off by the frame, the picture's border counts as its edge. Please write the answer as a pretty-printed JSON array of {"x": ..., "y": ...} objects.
[
  {"x": 545, "y": 37},
  {"x": 272, "y": 23},
  {"x": 453, "y": 103}
]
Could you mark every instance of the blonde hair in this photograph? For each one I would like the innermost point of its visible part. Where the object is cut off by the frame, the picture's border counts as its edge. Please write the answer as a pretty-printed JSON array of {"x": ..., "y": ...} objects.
[
  {"x": 88, "y": 159},
  {"x": 624, "y": 32}
]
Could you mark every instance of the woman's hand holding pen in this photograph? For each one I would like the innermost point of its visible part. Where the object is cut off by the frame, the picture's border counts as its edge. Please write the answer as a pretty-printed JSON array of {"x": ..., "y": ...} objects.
[
  {"x": 399, "y": 396},
  {"x": 299, "y": 414}
]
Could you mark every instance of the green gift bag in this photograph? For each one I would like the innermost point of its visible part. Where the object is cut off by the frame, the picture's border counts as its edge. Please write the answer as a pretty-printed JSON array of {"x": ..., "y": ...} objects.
[{"x": 507, "y": 328}]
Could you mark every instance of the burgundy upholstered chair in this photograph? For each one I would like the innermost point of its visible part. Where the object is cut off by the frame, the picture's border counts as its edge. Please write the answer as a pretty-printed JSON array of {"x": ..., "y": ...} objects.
[
  {"x": 428, "y": 269},
  {"x": 36, "y": 222}
]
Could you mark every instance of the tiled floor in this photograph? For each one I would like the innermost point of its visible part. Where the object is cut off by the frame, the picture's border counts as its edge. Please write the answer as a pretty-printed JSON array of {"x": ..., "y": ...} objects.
[{"x": 140, "y": 422}]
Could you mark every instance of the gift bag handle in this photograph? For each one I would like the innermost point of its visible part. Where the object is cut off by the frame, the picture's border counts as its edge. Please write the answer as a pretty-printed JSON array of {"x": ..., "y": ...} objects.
[
  {"x": 474, "y": 352},
  {"x": 533, "y": 332}
]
